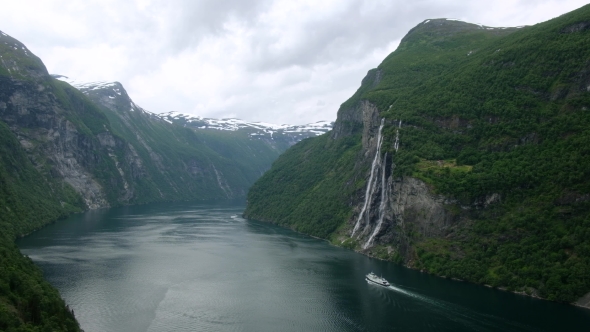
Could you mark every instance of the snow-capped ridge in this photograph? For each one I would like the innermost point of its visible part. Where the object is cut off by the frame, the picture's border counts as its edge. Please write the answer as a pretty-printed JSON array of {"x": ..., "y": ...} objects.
[
  {"x": 234, "y": 124},
  {"x": 113, "y": 91},
  {"x": 88, "y": 85}
]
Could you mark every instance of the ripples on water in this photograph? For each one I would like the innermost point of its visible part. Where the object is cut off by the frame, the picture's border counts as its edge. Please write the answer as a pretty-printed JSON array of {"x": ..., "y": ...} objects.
[{"x": 201, "y": 267}]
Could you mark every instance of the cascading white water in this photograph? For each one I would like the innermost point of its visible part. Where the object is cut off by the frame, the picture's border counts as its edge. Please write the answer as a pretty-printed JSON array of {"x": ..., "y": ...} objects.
[
  {"x": 383, "y": 204},
  {"x": 384, "y": 196},
  {"x": 396, "y": 144},
  {"x": 370, "y": 187}
]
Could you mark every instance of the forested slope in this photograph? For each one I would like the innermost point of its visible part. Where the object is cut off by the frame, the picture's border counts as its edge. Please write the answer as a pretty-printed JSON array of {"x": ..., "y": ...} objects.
[
  {"x": 490, "y": 180},
  {"x": 27, "y": 302}
]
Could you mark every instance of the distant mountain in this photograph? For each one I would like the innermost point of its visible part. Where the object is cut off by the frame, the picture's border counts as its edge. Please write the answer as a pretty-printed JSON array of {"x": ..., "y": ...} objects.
[
  {"x": 283, "y": 133},
  {"x": 465, "y": 154},
  {"x": 256, "y": 129}
]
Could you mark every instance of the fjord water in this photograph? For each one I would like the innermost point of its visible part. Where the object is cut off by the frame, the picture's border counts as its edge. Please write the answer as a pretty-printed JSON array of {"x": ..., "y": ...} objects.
[{"x": 200, "y": 267}]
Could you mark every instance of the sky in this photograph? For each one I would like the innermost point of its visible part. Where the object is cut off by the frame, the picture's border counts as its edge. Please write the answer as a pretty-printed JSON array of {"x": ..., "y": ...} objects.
[{"x": 277, "y": 61}]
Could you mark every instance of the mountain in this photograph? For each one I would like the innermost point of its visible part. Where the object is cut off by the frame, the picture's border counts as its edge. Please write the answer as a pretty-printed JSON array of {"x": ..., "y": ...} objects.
[
  {"x": 30, "y": 194},
  {"x": 279, "y": 136},
  {"x": 248, "y": 148},
  {"x": 465, "y": 154}
]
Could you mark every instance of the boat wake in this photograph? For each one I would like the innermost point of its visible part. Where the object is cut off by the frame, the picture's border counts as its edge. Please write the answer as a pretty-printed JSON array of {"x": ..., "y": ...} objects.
[
  {"x": 476, "y": 321},
  {"x": 236, "y": 217}
]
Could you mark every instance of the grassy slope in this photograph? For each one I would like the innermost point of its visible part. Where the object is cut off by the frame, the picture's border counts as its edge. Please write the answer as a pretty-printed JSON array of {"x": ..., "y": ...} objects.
[
  {"x": 515, "y": 111},
  {"x": 299, "y": 190}
]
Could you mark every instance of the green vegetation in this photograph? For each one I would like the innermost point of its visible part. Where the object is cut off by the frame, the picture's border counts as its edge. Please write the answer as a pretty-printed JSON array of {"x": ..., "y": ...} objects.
[
  {"x": 497, "y": 119},
  {"x": 303, "y": 190},
  {"x": 517, "y": 112},
  {"x": 185, "y": 154},
  {"x": 27, "y": 202},
  {"x": 17, "y": 62}
]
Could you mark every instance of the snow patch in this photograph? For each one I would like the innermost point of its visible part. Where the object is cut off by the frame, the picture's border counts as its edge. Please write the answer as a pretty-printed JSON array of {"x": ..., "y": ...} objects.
[{"x": 254, "y": 129}]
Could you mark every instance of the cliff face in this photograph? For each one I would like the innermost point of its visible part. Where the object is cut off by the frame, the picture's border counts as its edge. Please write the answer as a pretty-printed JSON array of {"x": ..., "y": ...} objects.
[
  {"x": 393, "y": 209},
  {"x": 54, "y": 143},
  {"x": 110, "y": 151},
  {"x": 463, "y": 154}
]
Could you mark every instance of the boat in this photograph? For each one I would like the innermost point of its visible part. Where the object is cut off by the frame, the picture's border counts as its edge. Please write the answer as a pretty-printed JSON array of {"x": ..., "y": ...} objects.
[{"x": 373, "y": 278}]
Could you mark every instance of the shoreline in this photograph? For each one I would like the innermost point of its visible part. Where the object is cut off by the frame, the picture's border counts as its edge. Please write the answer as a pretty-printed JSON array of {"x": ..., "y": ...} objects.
[{"x": 522, "y": 293}]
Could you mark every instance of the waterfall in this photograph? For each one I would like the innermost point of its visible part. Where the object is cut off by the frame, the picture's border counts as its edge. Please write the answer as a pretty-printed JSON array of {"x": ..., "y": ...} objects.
[
  {"x": 383, "y": 204},
  {"x": 396, "y": 144},
  {"x": 370, "y": 187}
]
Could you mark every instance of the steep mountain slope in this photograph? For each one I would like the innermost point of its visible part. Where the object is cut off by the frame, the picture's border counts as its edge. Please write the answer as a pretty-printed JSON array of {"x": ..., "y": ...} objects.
[
  {"x": 470, "y": 159},
  {"x": 28, "y": 198},
  {"x": 251, "y": 146}
]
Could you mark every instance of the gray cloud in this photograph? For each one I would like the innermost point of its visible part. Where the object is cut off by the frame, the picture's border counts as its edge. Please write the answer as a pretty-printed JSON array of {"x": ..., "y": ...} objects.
[
  {"x": 265, "y": 60},
  {"x": 347, "y": 33},
  {"x": 194, "y": 20}
]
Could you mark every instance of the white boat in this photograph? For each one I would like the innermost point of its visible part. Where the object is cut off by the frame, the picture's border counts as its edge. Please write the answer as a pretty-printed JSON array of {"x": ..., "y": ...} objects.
[{"x": 373, "y": 278}]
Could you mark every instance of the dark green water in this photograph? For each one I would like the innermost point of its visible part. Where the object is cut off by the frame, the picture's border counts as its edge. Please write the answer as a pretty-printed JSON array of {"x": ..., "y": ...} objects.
[{"x": 199, "y": 267}]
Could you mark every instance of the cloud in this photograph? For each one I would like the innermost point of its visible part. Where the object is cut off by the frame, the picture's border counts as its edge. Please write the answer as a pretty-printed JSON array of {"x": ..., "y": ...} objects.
[{"x": 263, "y": 60}]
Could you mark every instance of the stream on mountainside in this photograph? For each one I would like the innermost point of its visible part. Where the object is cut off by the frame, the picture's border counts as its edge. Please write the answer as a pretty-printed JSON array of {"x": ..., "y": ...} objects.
[{"x": 200, "y": 266}]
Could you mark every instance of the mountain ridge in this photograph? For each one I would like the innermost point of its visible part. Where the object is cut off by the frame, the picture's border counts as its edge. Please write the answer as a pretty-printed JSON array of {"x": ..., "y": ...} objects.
[{"x": 294, "y": 133}]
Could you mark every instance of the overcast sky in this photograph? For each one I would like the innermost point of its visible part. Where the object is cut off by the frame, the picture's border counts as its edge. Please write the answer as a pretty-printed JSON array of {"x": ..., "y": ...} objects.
[{"x": 259, "y": 60}]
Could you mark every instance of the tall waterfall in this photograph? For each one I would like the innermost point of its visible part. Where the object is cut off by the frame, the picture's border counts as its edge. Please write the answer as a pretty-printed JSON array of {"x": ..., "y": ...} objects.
[
  {"x": 370, "y": 187},
  {"x": 383, "y": 204},
  {"x": 396, "y": 144}
]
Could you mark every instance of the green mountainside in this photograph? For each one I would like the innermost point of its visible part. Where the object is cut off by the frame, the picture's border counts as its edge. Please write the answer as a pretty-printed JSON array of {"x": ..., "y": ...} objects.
[
  {"x": 27, "y": 302},
  {"x": 489, "y": 178},
  {"x": 223, "y": 163}
]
